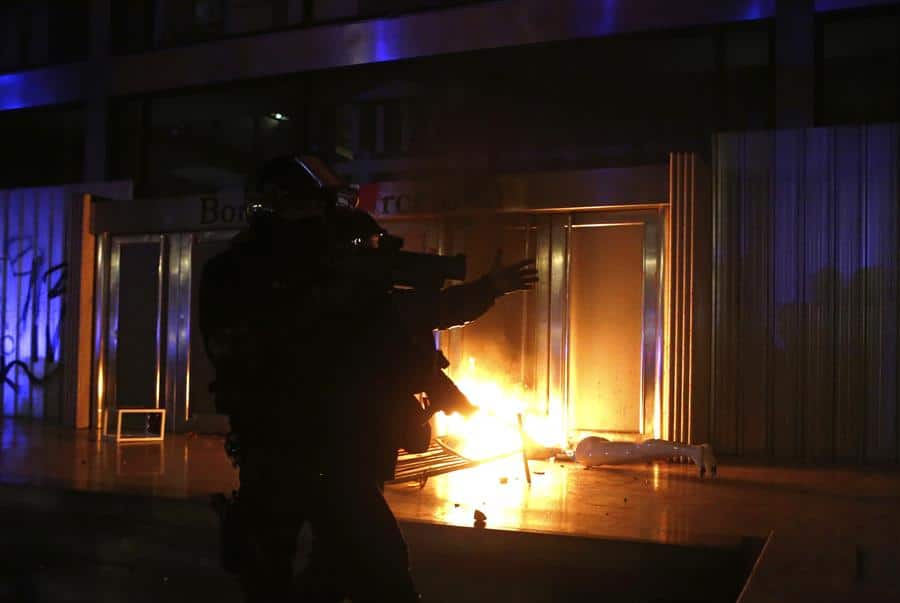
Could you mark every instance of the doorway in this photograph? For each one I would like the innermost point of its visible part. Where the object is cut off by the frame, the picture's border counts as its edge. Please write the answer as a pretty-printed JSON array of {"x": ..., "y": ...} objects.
[
  {"x": 588, "y": 340},
  {"x": 145, "y": 356},
  {"x": 612, "y": 348}
]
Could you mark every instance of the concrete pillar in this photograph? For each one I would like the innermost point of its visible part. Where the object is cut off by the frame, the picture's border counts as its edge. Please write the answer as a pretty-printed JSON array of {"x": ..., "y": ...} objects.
[
  {"x": 96, "y": 101},
  {"x": 795, "y": 61}
]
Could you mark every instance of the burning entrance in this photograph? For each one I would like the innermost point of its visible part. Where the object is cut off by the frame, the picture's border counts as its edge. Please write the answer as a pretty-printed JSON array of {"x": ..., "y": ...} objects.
[{"x": 579, "y": 355}]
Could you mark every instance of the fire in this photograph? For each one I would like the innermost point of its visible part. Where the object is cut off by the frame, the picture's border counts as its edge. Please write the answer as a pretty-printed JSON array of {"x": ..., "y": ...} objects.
[{"x": 493, "y": 430}]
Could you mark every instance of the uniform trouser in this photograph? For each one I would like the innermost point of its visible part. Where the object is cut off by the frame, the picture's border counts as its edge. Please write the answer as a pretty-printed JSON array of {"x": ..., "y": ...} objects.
[
  {"x": 358, "y": 550},
  {"x": 274, "y": 498}
]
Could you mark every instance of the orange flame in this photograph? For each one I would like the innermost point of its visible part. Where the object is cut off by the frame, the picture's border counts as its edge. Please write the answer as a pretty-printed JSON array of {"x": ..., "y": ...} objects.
[{"x": 493, "y": 430}]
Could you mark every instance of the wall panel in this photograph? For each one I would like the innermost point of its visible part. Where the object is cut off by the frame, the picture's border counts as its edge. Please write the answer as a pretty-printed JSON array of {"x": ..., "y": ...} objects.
[
  {"x": 725, "y": 362},
  {"x": 32, "y": 224},
  {"x": 39, "y": 304},
  {"x": 849, "y": 202},
  {"x": 881, "y": 437},
  {"x": 817, "y": 321},
  {"x": 805, "y": 296},
  {"x": 787, "y": 270},
  {"x": 753, "y": 295},
  {"x": 688, "y": 407}
]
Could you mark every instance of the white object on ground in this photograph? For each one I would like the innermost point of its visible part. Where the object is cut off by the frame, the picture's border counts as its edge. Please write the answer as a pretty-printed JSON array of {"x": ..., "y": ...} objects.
[{"x": 593, "y": 451}]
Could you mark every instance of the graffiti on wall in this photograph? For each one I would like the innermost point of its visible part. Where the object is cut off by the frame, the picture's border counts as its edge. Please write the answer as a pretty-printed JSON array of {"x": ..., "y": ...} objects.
[
  {"x": 28, "y": 265},
  {"x": 32, "y": 301}
]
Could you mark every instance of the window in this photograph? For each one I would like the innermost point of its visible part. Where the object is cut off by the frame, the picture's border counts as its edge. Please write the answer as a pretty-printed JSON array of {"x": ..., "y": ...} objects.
[
  {"x": 396, "y": 128},
  {"x": 859, "y": 72},
  {"x": 41, "y": 147},
  {"x": 36, "y": 33},
  {"x": 747, "y": 77},
  {"x": 331, "y": 10},
  {"x": 132, "y": 25},
  {"x": 211, "y": 140}
]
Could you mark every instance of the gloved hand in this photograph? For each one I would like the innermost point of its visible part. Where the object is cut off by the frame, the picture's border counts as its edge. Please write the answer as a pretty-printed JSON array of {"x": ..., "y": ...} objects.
[
  {"x": 444, "y": 395},
  {"x": 520, "y": 276}
]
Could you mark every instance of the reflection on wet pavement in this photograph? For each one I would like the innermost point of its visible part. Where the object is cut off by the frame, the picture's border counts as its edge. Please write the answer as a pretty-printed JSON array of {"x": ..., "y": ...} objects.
[
  {"x": 660, "y": 502},
  {"x": 181, "y": 466}
]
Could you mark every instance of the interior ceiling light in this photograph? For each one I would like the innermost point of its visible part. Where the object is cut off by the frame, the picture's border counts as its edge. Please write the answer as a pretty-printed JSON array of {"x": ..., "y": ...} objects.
[{"x": 279, "y": 116}]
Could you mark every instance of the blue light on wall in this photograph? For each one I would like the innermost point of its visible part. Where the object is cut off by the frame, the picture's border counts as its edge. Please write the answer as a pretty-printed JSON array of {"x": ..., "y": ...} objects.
[
  {"x": 605, "y": 17},
  {"x": 12, "y": 92},
  {"x": 41, "y": 87},
  {"x": 832, "y": 5},
  {"x": 32, "y": 297},
  {"x": 607, "y": 22},
  {"x": 386, "y": 40},
  {"x": 758, "y": 9},
  {"x": 809, "y": 230}
]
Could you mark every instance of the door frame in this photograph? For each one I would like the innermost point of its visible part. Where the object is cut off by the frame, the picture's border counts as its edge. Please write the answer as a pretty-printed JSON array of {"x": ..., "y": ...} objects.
[
  {"x": 173, "y": 320},
  {"x": 551, "y": 320},
  {"x": 108, "y": 318},
  {"x": 653, "y": 221},
  {"x": 189, "y": 272}
]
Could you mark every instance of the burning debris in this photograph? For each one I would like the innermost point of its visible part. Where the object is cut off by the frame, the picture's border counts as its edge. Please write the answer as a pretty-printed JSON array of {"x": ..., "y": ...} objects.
[{"x": 505, "y": 422}]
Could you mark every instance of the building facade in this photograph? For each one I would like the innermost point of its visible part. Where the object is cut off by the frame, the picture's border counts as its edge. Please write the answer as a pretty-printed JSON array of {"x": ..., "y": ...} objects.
[
  {"x": 527, "y": 122},
  {"x": 188, "y": 96}
]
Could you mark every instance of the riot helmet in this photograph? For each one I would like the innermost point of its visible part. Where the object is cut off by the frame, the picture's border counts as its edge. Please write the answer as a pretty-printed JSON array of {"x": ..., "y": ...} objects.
[
  {"x": 297, "y": 186},
  {"x": 302, "y": 188}
]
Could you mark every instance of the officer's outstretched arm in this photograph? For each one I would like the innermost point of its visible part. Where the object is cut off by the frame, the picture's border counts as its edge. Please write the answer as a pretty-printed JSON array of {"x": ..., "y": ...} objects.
[
  {"x": 458, "y": 305},
  {"x": 519, "y": 276},
  {"x": 464, "y": 303}
]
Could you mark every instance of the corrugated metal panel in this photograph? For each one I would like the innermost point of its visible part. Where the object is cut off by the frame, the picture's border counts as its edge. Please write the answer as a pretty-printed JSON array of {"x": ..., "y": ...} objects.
[
  {"x": 754, "y": 287},
  {"x": 787, "y": 278},
  {"x": 728, "y": 186},
  {"x": 34, "y": 293},
  {"x": 680, "y": 177},
  {"x": 817, "y": 305},
  {"x": 849, "y": 209},
  {"x": 882, "y": 177},
  {"x": 32, "y": 223},
  {"x": 805, "y": 322},
  {"x": 688, "y": 409}
]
